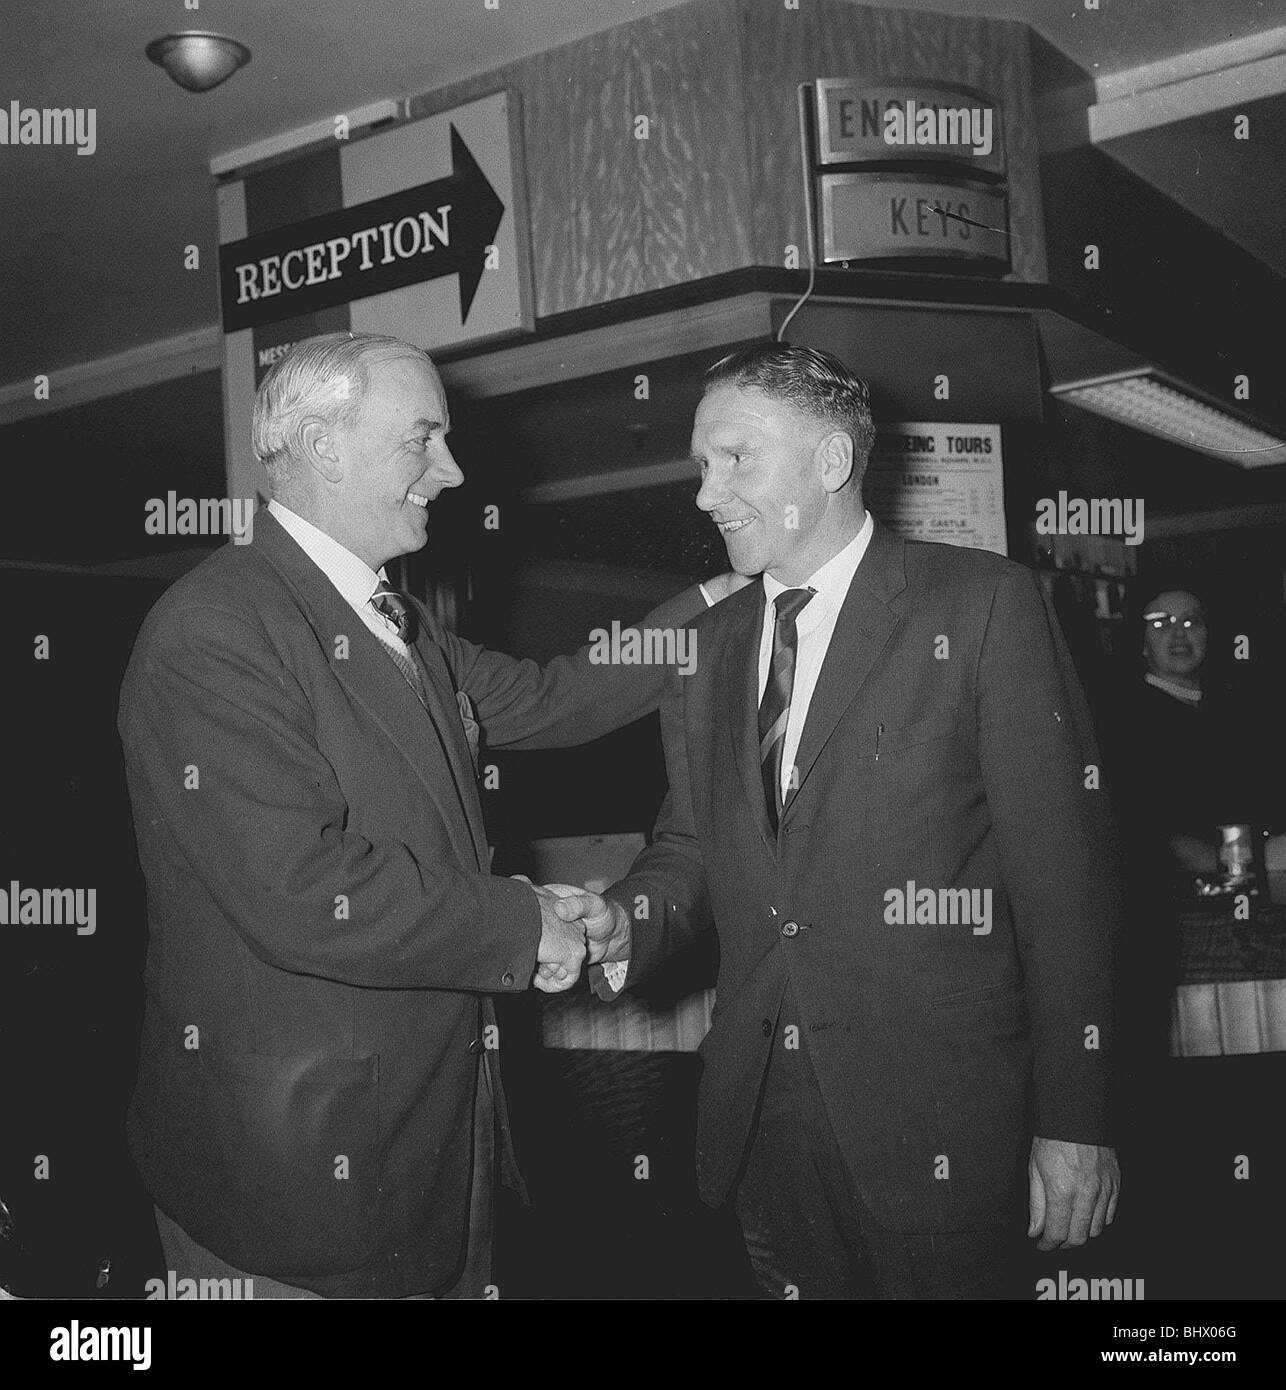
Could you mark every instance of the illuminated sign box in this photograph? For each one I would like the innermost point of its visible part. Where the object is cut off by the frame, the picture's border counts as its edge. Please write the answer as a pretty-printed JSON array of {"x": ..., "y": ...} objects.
[
  {"x": 897, "y": 216},
  {"x": 861, "y": 122}
]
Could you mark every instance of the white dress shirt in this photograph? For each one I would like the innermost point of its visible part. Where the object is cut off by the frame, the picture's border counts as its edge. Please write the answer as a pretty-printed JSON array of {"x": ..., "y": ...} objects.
[
  {"x": 353, "y": 577},
  {"x": 815, "y": 626}
]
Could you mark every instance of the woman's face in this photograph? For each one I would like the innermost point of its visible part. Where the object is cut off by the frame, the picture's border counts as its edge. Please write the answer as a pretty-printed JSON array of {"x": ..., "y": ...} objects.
[{"x": 1174, "y": 634}]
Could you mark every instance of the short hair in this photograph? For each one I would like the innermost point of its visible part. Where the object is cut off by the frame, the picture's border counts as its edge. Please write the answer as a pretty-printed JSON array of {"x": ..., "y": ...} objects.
[
  {"x": 326, "y": 376},
  {"x": 814, "y": 382}
]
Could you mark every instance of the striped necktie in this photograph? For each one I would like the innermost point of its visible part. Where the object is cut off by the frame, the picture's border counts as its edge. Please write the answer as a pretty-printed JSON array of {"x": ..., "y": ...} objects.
[
  {"x": 391, "y": 604},
  {"x": 774, "y": 708}
]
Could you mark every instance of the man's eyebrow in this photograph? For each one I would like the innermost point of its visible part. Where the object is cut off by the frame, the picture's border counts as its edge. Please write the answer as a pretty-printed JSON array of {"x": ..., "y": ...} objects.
[
  {"x": 425, "y": 423},
  {"x": 739, "y": 444}
]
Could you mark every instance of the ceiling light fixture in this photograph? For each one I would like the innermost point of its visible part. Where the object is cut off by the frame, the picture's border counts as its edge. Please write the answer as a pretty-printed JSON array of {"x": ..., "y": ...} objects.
[
  {"x": 1146, "y": 399},
  {"x": 198, "y": 61}
]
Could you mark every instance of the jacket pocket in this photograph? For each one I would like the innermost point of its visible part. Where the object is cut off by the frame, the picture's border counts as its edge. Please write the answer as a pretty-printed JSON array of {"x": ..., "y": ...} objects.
[
  {"x": 981, "y": 994},
  {"x": 280, "y": 1161}
]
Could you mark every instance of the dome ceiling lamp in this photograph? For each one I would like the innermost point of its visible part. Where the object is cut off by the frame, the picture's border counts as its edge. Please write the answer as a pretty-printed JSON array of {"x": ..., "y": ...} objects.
[{"x": 196, "y": 60}]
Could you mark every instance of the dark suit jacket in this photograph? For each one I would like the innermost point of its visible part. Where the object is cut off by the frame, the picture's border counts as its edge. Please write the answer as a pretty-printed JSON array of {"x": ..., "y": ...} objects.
[
  {"x": 956, "y": 767},
  {"x": 324, "y": 930}
]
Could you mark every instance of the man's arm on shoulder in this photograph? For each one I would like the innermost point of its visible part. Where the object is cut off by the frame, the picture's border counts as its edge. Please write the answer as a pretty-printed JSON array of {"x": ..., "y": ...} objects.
[
  {"x": 221, "y": 745},
  {"x": 573, "y": 699}
]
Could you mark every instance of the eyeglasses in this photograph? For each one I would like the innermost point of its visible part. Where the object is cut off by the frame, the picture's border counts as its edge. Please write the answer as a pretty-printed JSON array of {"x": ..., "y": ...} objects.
[{"x": 1158, "y": 622}]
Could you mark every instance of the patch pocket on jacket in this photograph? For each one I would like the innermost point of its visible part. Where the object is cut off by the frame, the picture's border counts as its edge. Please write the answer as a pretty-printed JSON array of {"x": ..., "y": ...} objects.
[{"x": 292, "y": 1158}]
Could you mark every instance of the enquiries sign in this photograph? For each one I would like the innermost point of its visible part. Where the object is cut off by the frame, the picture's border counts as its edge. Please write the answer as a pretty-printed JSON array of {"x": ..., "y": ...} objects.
[
  {"x": 860, "y": 122},
  {"x": 908, "y": 171}
]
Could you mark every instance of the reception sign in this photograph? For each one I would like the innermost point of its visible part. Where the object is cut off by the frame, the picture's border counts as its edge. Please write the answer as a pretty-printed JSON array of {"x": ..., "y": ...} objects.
[
  {"x": 419, "y": 232},
  {"x": 433, "y": 229}
]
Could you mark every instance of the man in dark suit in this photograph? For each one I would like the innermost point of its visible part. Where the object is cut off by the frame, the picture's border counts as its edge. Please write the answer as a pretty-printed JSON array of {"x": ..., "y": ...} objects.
[
  {"x": 317, "y": 1103},
  {"x": 883, "y": 790}
]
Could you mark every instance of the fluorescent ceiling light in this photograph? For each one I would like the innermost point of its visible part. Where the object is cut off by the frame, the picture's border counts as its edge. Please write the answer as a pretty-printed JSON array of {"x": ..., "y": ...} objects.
[{"x": 1149, "y": 401}]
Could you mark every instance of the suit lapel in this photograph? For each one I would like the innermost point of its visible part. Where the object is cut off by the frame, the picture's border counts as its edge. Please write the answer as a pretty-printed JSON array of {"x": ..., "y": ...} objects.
[
  {"x": 865, "y": 623},
  {"x": 739, "y": 678},
  {"x": 445, "y": 708},
  {"x": 370, "y": 675}
]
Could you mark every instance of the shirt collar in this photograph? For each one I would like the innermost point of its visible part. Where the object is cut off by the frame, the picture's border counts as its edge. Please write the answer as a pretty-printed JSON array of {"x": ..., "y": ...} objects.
[
  {"x": 832, "y": 580},
  {"x": 353, "y": 577},
  {"x": 1180, "y": 692}
]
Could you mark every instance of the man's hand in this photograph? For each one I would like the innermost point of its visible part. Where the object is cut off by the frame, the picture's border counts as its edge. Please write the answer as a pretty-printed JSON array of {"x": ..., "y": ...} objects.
[
  {"x": 1073, "y": 1192},
  {"x": 607, "y": 925},
  {"x": 562, "y": 944},
  {"x": 604, "y": 926},
  {"x": 722, "y": 585},
  {"x": 607, "y": 933},
  {"x": 561, "y": 952}
]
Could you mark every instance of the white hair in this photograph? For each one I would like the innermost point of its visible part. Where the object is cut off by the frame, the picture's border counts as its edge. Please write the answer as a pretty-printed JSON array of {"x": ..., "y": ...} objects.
[{"x": 328, "y": 377}]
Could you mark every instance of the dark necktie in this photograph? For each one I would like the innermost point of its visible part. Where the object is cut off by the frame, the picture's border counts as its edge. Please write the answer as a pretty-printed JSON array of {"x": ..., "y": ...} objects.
[
  {"x": 774, "y": 708},
  {"x": 391, "y": 604}
]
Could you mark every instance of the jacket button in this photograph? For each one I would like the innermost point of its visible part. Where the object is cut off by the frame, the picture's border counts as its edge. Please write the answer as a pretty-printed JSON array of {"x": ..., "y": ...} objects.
[
  {"x": 790, "y": 928},
  {"x": 765, "y": 1027},
  {"x": 475, "y": 1046},
  {"x": 507, "y": 979}
]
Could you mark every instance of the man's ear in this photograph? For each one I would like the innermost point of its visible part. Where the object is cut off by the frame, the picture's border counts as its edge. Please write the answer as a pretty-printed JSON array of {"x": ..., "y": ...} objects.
[
  {"x": 834, "y": 457},
  {"x": 318, "y": 447}
]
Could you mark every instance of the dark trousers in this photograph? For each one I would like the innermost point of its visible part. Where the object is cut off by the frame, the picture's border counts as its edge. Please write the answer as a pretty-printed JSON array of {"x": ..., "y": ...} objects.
[{"x": 807, "y": 1231}]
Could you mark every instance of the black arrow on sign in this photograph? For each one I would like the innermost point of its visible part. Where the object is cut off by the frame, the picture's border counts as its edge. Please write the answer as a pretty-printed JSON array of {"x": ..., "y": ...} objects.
[{"x": 471, "y": 224}]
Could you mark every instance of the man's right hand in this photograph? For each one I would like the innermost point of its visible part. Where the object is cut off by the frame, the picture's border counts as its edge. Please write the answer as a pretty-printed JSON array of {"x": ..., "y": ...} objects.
[
  {"x": 607, "y": 932},
  {"x": 562, "y": 943},
  {"x": 603, "y": 927},
  {"x": 606, "y": 924}
]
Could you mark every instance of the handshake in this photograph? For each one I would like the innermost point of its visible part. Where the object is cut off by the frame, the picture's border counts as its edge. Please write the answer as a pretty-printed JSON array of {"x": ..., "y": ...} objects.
[{"x": 575, "y": 926}]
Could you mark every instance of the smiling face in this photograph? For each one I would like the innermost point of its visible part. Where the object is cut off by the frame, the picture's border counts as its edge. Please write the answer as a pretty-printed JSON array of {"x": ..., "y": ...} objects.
[
  {"x": 393, "y": 461},
  {"x": 770, "y": 480},
  {"x": 1174, "y": 635}
]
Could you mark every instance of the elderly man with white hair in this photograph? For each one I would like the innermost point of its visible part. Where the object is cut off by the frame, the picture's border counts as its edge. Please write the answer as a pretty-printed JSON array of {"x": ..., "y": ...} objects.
[{"x": 318, "y": 1106}]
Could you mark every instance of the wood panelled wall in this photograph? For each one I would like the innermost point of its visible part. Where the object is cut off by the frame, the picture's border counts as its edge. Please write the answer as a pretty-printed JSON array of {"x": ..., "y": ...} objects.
[
  {"x": 716, "y": 185},
  {"x": 832, "y": 38}
]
